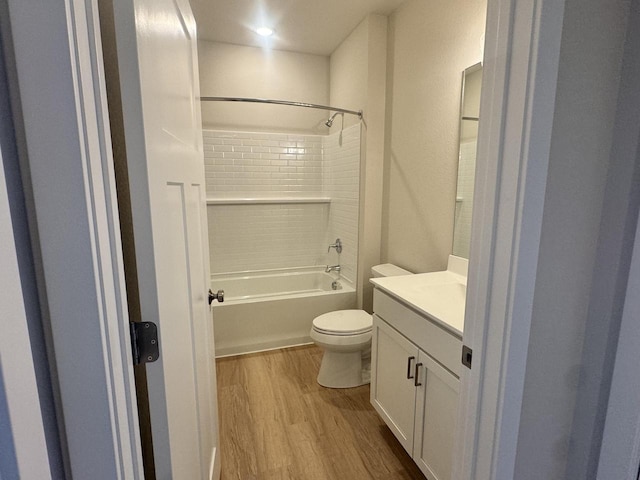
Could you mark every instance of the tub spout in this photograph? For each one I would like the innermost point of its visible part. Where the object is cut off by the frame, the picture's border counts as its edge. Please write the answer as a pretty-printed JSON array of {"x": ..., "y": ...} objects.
[{"x": 332, "y": 268}]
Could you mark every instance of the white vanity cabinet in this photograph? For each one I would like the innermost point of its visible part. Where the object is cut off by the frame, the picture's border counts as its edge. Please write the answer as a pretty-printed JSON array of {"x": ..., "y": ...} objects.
[
  {"x": 435, "y": 419},
  {"x": 415, "y": 382},
  {"x": 393, "y": 393}
]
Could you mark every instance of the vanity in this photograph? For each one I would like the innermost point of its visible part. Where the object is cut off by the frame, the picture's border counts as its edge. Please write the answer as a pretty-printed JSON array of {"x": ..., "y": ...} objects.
[{"x": 416, "y": 361}]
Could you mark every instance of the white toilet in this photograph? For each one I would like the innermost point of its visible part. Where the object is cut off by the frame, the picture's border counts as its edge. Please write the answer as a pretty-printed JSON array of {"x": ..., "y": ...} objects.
[{"x": 345, "y": 337}]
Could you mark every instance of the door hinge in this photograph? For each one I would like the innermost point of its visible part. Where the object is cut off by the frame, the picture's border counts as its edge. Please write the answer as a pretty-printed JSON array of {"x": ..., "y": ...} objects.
[
  {"x": 467, "y": 355},
  {"x": 144, "y": 342}
]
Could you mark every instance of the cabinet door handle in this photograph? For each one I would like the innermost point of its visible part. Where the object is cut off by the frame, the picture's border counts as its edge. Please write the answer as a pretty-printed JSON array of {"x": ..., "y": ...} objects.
[
  {"x": 409, "y": 360},
  {"x": 417, "y": 373}
]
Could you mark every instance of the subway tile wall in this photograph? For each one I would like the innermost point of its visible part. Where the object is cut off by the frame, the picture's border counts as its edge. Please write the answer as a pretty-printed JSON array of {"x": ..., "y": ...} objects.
[
  {"x": 264, "y": 237},
  {"x": 240, "y": 164},
  {"x": 281, "y": 235},
  {"x": 342, "y": 185}
]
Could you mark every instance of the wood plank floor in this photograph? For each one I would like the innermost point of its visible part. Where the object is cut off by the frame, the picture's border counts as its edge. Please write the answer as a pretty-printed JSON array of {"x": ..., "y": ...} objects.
[{"x": 276, "y": 422}]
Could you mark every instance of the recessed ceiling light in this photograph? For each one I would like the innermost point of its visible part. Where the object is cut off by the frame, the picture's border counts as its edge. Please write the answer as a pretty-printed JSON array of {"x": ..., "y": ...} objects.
[{"x": 264, "y": 31}]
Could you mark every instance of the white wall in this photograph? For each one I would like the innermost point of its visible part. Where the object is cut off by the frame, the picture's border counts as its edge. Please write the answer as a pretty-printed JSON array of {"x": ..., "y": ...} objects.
[
  {"x": 238, "y": 71},
  {"x": 349, "y": 68},
  {"x": 430, "y": 44},
  {"x": 358, "y": 82}
]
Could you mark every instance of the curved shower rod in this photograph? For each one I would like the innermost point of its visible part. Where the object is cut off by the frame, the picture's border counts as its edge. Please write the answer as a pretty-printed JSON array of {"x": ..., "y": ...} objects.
[{"x": 281, "y": 102}]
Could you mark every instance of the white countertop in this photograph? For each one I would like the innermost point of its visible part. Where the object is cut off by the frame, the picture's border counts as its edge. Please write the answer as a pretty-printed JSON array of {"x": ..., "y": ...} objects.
[{"x": 438, "y": 295}]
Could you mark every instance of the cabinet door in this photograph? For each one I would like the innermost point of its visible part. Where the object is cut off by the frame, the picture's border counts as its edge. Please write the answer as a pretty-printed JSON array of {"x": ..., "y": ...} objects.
[
  {"x": 393, "y": 394},
  {"x": 435, "y": 420}
]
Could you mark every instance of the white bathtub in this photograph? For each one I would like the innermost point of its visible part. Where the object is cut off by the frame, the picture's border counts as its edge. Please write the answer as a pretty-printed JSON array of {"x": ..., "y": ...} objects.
[{"x": 273, "y": 309}]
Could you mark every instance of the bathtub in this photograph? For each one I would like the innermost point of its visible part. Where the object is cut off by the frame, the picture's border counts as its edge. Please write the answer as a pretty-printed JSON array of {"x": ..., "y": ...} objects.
[{"x": 273, "y": 309}]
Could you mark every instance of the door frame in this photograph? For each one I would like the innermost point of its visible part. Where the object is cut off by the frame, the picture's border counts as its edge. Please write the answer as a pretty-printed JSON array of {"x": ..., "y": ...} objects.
[
  {"x": 66, "y": 155},
  {"x": 520, "y": 71},
  {"x": 23, "y": 432},
  {"x": 620, "y": 449},
  {"x": 619, "y": 455},
  {"x": 522, "y": 55}
]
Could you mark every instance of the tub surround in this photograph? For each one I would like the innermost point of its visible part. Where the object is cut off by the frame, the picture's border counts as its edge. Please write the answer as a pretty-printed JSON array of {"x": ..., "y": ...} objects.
[
  {"x": 259, "y": 164},
  {"x": 276, "y": 200}
]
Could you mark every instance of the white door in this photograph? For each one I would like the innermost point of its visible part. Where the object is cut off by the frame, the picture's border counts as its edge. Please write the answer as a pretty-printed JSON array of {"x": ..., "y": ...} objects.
[
  {"x": 157, "y": 57},
  {"x": 393, "y": 394}
]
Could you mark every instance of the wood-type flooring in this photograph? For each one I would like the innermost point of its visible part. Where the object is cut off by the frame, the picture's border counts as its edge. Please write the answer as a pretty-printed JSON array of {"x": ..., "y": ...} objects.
[{"x": 277, "y": 423}]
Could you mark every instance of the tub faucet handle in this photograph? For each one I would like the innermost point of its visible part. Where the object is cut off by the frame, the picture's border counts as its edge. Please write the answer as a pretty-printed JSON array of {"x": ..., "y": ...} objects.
[
  {"x": 337, "y": 246},
  {"x": 332, "y": 268}
]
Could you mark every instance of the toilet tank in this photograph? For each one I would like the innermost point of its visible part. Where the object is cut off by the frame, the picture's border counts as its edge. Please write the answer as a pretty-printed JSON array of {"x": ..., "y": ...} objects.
[{"x": 388, "y": 270}]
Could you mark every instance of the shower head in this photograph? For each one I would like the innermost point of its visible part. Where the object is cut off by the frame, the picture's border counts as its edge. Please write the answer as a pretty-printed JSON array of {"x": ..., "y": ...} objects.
[{"x": 329, "y": 122}]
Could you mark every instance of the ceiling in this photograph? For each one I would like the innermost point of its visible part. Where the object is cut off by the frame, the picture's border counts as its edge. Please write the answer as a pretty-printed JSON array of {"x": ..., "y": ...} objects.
[{"x": 309, "y": 26}]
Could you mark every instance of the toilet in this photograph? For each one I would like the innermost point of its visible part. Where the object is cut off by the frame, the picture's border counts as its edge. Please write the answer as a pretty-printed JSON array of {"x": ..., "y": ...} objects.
[{"x": 345, "y": 337}]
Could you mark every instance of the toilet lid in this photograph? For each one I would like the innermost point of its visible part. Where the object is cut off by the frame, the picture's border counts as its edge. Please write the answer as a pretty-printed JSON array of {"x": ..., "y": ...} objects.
[{"x": 343, "y": 322}]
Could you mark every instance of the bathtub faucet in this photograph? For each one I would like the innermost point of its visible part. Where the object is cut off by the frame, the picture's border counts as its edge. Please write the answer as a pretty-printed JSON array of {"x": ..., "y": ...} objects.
[{"x": 332, "y": 268}]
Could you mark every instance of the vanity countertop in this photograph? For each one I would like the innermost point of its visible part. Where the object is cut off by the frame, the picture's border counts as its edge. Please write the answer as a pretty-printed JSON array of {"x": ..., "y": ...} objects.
[{"x": 438, "y": 295}]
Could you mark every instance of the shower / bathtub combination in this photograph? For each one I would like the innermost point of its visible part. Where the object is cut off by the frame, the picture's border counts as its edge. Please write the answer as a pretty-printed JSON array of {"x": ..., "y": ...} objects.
[
  {"x": 275, "y": 202},
  {"x": 275, "y": 308}
]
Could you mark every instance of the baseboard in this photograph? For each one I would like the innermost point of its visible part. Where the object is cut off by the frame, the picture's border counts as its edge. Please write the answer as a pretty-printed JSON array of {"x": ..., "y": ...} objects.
[
  {"x": 262, "y": 347},
  {"x": 214, "y": 466}
]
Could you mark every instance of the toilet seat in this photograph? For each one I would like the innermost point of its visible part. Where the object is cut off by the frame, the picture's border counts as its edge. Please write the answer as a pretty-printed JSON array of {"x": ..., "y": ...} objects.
[{"x": 343, "y": 322}]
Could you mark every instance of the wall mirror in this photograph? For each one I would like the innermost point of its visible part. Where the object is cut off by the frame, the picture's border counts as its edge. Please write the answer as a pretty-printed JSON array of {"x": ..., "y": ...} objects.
[{"x": 469, "y": 118}]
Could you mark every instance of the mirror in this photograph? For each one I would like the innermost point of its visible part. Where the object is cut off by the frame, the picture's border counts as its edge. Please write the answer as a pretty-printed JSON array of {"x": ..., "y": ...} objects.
[{"x": 469, "y": 118}]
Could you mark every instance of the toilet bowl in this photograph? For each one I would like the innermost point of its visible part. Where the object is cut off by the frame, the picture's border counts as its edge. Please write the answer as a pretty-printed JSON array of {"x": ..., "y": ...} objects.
[{"x": 345, "y": 337}]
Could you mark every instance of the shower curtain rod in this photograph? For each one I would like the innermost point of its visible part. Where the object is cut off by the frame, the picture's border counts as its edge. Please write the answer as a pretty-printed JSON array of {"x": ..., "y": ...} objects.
[{"x": 281, "y": 102}]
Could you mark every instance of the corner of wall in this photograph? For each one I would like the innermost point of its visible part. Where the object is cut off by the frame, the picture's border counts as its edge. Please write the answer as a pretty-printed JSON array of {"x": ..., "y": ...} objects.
[
  {"x": 424, "y": 68},
  {"x": 358, "y": 81}
]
